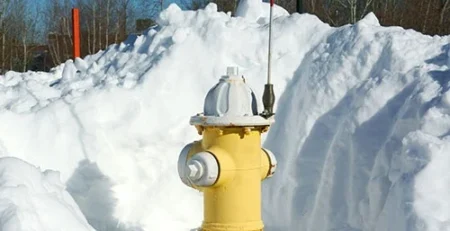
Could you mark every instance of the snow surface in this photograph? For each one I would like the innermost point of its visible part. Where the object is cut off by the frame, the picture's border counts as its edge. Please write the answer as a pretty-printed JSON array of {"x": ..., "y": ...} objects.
[
  {"x": 361, "y": 133},
  {"x": 257, "y": 11},
  {"x": 35, "y": 200},
  {"x": 364, "y": 133}
]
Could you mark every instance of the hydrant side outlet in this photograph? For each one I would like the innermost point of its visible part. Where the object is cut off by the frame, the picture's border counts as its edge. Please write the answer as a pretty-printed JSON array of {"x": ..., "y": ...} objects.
[
  {"x": 186, "y": 153},
  {"x": 203, "y": 169},
  {"x": 182, "y": 159},
  {"x": 272, "y": 160}
]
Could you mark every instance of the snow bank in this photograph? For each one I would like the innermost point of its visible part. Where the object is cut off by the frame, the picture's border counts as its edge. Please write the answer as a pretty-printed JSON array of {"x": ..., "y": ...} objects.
[
  {"x": 361, "y": 126},
  {"x": 35, "y": 200},
  {"x": 362, "y": 133},
  {"x": 115, "y": 121},
  {"x": 257, "y": 11}
]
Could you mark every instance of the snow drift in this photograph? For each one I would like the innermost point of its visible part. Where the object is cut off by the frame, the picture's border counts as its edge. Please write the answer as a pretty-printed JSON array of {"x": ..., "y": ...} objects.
[
  {"x": 361, "y": 131},
  {"x": 35, "y": 200},
  {"x": 362, "y": 122}
]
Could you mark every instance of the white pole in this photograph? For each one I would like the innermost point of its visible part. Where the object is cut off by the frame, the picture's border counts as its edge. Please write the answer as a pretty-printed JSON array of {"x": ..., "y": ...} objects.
[{"x": 270, "y": 44}]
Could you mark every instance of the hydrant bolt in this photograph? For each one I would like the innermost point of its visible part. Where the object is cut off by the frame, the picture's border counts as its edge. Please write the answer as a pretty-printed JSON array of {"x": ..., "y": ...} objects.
[{"x": 195, "y": 170}]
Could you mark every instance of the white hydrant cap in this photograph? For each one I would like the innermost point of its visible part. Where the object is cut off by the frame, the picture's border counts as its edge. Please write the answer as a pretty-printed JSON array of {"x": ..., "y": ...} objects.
[
  {"x": 202, "y": 169},
  {"x": 231, "y": 102}
]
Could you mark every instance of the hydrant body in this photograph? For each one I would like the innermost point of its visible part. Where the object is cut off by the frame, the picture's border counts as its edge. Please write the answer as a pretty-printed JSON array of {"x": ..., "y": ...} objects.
[{"x": 228, "y": 165}]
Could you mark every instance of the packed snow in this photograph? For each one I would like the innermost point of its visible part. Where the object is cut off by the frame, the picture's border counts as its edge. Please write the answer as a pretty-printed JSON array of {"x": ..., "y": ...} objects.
[
  {"x": 35, "y": 200},
  {"x": 361, "y": 132}
]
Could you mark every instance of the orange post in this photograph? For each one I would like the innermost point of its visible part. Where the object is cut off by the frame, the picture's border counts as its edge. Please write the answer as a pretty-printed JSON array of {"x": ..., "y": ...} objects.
[{"x": 76, "y": 32}]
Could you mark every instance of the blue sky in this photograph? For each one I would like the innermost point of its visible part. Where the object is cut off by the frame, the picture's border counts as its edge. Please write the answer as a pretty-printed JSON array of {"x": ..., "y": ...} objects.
[
  {"x": 41, "y": 3},
  {"x": 35, "y": 5}
]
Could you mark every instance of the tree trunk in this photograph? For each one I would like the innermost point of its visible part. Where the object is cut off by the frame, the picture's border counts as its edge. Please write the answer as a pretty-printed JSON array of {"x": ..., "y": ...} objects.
[
  {"x": 24, "y": 43},
  {"x": 313, "y": 6},
  {"x": 58, "y": 50},
  {"x": 116, "y": 36},
  {"x": 441, "y": 18},
  {"x": 3, "y": 52},
  {"x": 107, "y": 23},
  {"x": 402, "y": 14},
  {"x": 123, "y": 13},
  {"x": 421, "y": 5},
  {"x": 55, "y": 59},
  {"x": 11, "y": 52},
  {"x": 100, "y": 46},
  {"x": 394, "y": 11},
  {"x": 327, "y": 10},
  {"x": 366, "y": 8},
  {"x": 424, "y": 27},
  {"x": 420, "y": 15},
  {"x": 89, "y": 38},
  {"x": 55, "y": 51},
  {"x": 64, "y": 38},
  {"x": 352, "y": 11},
  {"x": 123, "y": 21},
  {"x": 67, "y": 25},
  {"x": 93, "y": 30},
  {"x": 385, "y": 8}
]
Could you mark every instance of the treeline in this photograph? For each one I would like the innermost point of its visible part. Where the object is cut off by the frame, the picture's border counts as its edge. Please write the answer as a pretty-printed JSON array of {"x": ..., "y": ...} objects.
[
  {"x": 39, "y": 36},
  {"x": 430, "y": 17},
  {"x": 427, "y": 16}
]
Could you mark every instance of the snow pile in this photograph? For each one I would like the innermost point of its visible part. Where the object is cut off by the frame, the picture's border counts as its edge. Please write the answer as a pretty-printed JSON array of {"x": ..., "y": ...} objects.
[
  {"x": 257, "y": 11},
  {"x": 114, "y": 123},
  {"x": 24, "y": 92},
  {"x": 362, "y": 119},
  {"x": 35, "y": 200},
  {"x": 362, "y": 134}
]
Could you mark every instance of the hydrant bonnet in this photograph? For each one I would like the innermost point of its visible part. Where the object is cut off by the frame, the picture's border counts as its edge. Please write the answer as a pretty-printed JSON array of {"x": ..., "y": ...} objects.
[
  {"x": 231, "y": 102},
  {"x": 230, "y": 97}
]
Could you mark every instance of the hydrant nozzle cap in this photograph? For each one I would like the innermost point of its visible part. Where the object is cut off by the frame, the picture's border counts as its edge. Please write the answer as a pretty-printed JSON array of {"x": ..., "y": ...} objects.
[{"x": 202, "y": 169}]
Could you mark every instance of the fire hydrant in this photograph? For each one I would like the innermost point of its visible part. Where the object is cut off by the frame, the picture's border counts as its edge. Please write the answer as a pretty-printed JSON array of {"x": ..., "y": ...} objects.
[{"x": 228, "y": 164}]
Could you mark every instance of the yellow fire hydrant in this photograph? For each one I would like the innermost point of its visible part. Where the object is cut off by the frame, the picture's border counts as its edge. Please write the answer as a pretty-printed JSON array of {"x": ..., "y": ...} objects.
[{"x": 228, "y": 164}]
